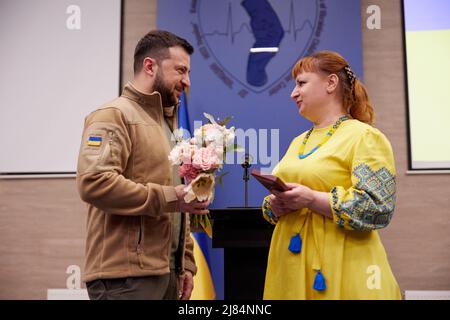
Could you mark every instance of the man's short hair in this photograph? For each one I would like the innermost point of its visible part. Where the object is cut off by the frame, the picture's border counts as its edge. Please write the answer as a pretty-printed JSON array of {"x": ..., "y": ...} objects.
[{"x": 156, "y": 44}]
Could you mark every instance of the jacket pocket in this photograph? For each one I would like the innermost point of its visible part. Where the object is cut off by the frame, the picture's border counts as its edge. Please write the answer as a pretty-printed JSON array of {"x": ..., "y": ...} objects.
[
  {"x": 154, "y": 248},
  {"x": 139, "y": 250},
  {"x": 110, "y": 155}
]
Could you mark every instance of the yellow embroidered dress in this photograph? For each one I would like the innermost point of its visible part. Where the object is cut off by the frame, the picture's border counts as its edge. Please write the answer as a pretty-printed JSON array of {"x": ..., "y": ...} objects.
[{"x": 356, "y": 166}]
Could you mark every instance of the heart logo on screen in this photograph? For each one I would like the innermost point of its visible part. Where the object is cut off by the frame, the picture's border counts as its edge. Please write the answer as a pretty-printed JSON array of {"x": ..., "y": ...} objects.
[{"x": 257, "y": 42}]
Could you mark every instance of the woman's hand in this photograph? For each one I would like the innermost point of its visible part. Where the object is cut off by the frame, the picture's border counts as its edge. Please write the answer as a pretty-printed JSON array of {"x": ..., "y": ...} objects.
[
  {"x": 299, "y": 197},
  {"x": 292, "y": 200}
]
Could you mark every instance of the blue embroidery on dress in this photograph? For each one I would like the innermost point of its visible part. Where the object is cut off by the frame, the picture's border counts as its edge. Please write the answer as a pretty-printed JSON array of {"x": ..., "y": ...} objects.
[
  {"x": 374, "y": 201},
  {"x": 267, "y": 212}
]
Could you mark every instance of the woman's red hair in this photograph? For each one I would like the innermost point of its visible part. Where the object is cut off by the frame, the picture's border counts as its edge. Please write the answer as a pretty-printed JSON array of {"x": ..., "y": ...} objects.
[{"x": 354, "y": 95}]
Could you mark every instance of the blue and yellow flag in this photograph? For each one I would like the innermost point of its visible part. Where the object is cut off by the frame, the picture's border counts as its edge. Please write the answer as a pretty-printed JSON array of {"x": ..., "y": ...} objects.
[
  {"x": 203, "y": 283},
  {"x": 94, "y": 141}
]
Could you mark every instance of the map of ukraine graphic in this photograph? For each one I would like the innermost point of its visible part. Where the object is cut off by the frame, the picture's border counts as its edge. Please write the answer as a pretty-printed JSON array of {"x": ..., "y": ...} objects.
[{"x": 268, "y": 32}]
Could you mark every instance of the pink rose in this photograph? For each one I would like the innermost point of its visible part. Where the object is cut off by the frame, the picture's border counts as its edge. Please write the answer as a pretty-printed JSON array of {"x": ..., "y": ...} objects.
[
  {"x": 188, "y": 171},
  {"x": 206, "y": 159}
]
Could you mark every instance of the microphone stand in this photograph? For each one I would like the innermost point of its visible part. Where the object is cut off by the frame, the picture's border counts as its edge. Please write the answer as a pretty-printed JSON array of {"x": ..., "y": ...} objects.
[{"x": 246, "y": 164}]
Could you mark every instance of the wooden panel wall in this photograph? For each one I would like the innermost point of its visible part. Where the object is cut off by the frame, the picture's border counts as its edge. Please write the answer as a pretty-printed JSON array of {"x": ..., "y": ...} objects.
[{"x": 42, "y": 221}]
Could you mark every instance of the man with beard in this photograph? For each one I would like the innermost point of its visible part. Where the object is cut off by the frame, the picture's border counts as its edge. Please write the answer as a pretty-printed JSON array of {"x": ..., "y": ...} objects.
[{"x": 138, "y": 242}]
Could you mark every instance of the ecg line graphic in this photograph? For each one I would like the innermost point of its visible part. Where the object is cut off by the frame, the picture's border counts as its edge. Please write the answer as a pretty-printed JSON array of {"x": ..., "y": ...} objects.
[
  {"x": 229, "y": 30},
  {"x": 292, "y": 21}
]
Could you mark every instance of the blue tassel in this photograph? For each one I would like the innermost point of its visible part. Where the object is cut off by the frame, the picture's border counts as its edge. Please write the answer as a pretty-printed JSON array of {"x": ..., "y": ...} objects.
[
  {"x": 295, "y": 246},
  {"x": 319, "y": 282}
]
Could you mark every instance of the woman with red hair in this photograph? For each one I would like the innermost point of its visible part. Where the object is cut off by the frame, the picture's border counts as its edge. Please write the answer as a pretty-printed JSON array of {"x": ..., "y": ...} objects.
[{"x": 342, "y": 178}]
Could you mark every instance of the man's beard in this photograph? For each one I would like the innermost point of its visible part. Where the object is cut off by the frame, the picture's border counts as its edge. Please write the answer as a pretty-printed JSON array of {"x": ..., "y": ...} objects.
[{"x": 167, "y": 96}]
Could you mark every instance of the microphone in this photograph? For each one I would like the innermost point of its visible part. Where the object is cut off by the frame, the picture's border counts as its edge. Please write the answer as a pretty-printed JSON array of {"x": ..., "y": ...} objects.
[{"x": 246, "y": 164}]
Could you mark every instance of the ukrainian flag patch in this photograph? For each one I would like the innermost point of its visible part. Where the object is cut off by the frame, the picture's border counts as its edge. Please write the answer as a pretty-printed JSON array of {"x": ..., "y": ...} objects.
[{"x": 94, "y": 141}]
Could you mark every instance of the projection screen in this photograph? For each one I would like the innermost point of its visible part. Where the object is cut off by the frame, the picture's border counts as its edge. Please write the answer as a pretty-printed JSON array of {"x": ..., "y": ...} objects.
[
  {"x": 59, "y": 61},
  {"x": 427, "y": 46}
]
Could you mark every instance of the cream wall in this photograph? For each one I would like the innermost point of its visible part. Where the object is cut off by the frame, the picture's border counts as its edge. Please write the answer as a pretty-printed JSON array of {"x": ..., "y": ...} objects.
[{"x": 42, "y": 221}]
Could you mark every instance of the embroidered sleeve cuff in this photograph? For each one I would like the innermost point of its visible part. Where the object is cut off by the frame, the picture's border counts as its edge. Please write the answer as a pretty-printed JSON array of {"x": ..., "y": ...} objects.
[
  {"x": 267, "y": 212},
  {"x": 341, "y": 219}
]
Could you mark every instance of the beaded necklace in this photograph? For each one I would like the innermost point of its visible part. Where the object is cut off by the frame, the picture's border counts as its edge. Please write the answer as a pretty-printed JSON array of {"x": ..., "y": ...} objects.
[{"x": 327, "y": 137}]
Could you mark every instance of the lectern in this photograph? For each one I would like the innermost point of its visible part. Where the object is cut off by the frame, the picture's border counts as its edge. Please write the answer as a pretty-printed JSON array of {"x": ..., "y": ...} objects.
[{"x": 245, "y": 237}]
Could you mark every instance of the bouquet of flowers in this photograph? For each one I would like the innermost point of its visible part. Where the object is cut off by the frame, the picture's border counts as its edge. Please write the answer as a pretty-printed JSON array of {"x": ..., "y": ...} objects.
[{"x": 199, "y": 158}]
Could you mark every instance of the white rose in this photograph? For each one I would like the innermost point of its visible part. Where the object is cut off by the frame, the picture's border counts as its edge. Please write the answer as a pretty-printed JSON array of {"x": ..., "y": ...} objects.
[{"x": 175, "y": 155}]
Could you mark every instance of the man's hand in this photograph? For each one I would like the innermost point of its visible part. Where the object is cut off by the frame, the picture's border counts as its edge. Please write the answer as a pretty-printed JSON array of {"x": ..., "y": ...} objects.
[
  {"x": 185, "y": 285},
  {"x": 194, "y": 207}
]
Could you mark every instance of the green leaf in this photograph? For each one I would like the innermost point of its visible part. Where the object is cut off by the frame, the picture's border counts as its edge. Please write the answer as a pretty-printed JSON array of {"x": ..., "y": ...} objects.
[
  {"x": 224, "y": 121},
  {"x": 195, "y": 220},
  {"x": 207, "y": 222}
]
